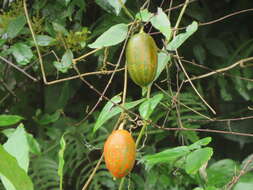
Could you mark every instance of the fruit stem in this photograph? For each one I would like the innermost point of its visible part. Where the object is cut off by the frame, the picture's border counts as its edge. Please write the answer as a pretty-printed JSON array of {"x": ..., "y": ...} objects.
[
  {"x": 142, "y": 30},
  {"x": 121, "y": 183},
  {"x": 145, "y": 123}
]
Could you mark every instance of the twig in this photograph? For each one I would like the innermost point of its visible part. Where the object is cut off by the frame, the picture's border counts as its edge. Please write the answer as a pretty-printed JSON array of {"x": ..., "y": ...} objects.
[
  {"x": 224, "y": 17},
  {"x": 241, "y": 173},
  {"x": 83, "y": 75},
  {"x": 205, "y": 130},
  {"x": 175, "y": 99},
  {"x": 7, "y": 88},
  {"x": 194, "y": 88},
  {"x": 221, "y": 70},
  {"x": 86, "y": 55},
  {"x": 93, "y": 173},
  {"x": 19, "y": 69},
  {"x": 178, "y": 6},
  {"x": 35, "y": 42}
]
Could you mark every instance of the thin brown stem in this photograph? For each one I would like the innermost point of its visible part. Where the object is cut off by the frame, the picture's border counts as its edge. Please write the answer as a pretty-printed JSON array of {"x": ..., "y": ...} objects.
[{"x": 19, "y": 69}]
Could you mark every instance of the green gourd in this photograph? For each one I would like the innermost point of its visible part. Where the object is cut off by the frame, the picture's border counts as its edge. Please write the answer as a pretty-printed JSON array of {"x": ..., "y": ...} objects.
[{"x": 141, "y": 56}]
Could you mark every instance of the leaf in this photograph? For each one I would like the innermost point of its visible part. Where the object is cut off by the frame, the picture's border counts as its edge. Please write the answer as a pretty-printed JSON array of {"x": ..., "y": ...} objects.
[
  {"x": 34, "y": 146},
  {"x": 105, "y": 113},
  {"x": 59, "y": 28},
  {"x": 200, "y": 53},
  {"x": 223, "y": 89},
  {"x": 108, "y": 111},
  {"x": 7, "y": 120},
  {"x": 117, "y": 5},
  {"x": 104, "y": 4},
  {"x": 166, "y": 156},
  {"x": 66, "y": 62},
  {"x": 47, "y": 118},
  {"x": 45, "y": 40},
  {"x": 22, "y": 53},
  {"x": 15, "y": 26},
  {"x": 67, "y": 2},
  {"x": 18, "y": 137},
  {"x": 181, "y": 38},
  {"x": 144, "y": 15},
  {"x": 148, "y": 106},
  {"x": 112, "y": 36},
  {"x": 162, "y": 23},
  {"x": 61, "y": 160},
  {"x": 163, "y": 59},
  {"x": 216, "y": 47},
  {"x": 11, "y": 171},
  {"x": 221, "y": 172},
  {"x": 2, "y": 42},
  {"x": 196, "y": 159},
  {"x": 201, "y": 142}
]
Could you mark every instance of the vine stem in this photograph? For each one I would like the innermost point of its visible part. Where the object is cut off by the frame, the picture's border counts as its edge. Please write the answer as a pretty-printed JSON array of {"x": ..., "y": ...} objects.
[
  {"x": 35, "y": 42},
  {"x": 138, "y": 138},
  {"x": 181, "y": 14}
]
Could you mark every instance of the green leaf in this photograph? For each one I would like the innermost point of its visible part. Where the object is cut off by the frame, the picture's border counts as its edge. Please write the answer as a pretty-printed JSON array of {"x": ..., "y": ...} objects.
[
  {"x": 196, "y": 159},
  {"x": 109, "y": 111},
  {"x": 2, "y": 42},
  {"x": 201, "y": 142},
  {"x": 221, "y": 172},
  {"x": 59, "y": 28},
  {"x": 162, "y": 23},
  {"x": 166, "y": 156},
  {"x": 163, "y": 59},
  {"x": 67, "y": 2},
  {"x": 47, "y": 118},
  {"x": 117, "y": 5},
  {"x": 11, "y": 171},
  {"x": 15, "y": 26},
  {"x": 181, "y": 38},
  {"x": 222, "y": 81},
  {"x": 105, "y": 113},
  {"x": 34, "y": 146},
  {"x": 66, "y": 62},
  {"x": 104, "y": 4},
  {"x": 148, "y": 106},
  {"x": 18, "y": 137},
  {"x": 200, "y": 53},
  {"x": 216, "y": 47},
  {"x": 144, "y": 15},
  {"x": 112, "y": 36},
  {"x": 61, "y": 160},
  {"x": 6, "y": 120},
  {"x": 44, "y": 40},
  {"x": 22, "y": 53}
]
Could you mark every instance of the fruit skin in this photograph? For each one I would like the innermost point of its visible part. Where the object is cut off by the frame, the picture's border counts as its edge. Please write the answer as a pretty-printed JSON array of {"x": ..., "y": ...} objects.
[
  {"x": 119, "y": 153},
  {"x": 141, "y": 56}
]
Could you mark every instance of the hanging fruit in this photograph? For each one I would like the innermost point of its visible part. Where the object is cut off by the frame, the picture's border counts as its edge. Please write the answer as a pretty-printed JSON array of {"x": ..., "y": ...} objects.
[
  {"x": 119, "y": 153},
  {"x": 141, "y": 56}
]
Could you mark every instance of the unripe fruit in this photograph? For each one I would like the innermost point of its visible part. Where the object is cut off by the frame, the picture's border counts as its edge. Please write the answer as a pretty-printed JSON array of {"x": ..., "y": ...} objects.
[
  {"x": 141, "y": 56},
  {"x": 119, "y": 153}
]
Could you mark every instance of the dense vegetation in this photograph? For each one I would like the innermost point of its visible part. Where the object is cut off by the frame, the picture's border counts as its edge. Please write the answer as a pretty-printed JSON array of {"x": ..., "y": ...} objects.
[{"x": 64, "y": 89}]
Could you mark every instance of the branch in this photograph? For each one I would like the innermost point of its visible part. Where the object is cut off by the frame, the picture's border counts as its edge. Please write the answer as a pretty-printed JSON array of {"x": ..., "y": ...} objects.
[
  {"x": 19, "y": 69},
  {"x": 221, "y": 70}
]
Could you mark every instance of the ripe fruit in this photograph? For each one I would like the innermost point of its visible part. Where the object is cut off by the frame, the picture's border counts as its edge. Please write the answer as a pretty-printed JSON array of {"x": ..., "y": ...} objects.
[
  {"x": 141, "y": 56},
  {"x": 119, "y": 153}
]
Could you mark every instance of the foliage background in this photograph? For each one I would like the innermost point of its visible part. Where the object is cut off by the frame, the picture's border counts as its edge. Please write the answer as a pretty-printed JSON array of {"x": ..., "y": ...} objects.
[{"x": 63, "y": 30}]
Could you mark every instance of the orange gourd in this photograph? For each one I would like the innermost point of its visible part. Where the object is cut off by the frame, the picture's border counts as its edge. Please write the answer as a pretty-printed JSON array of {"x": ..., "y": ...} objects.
[{"x": 119, "y": 153}]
